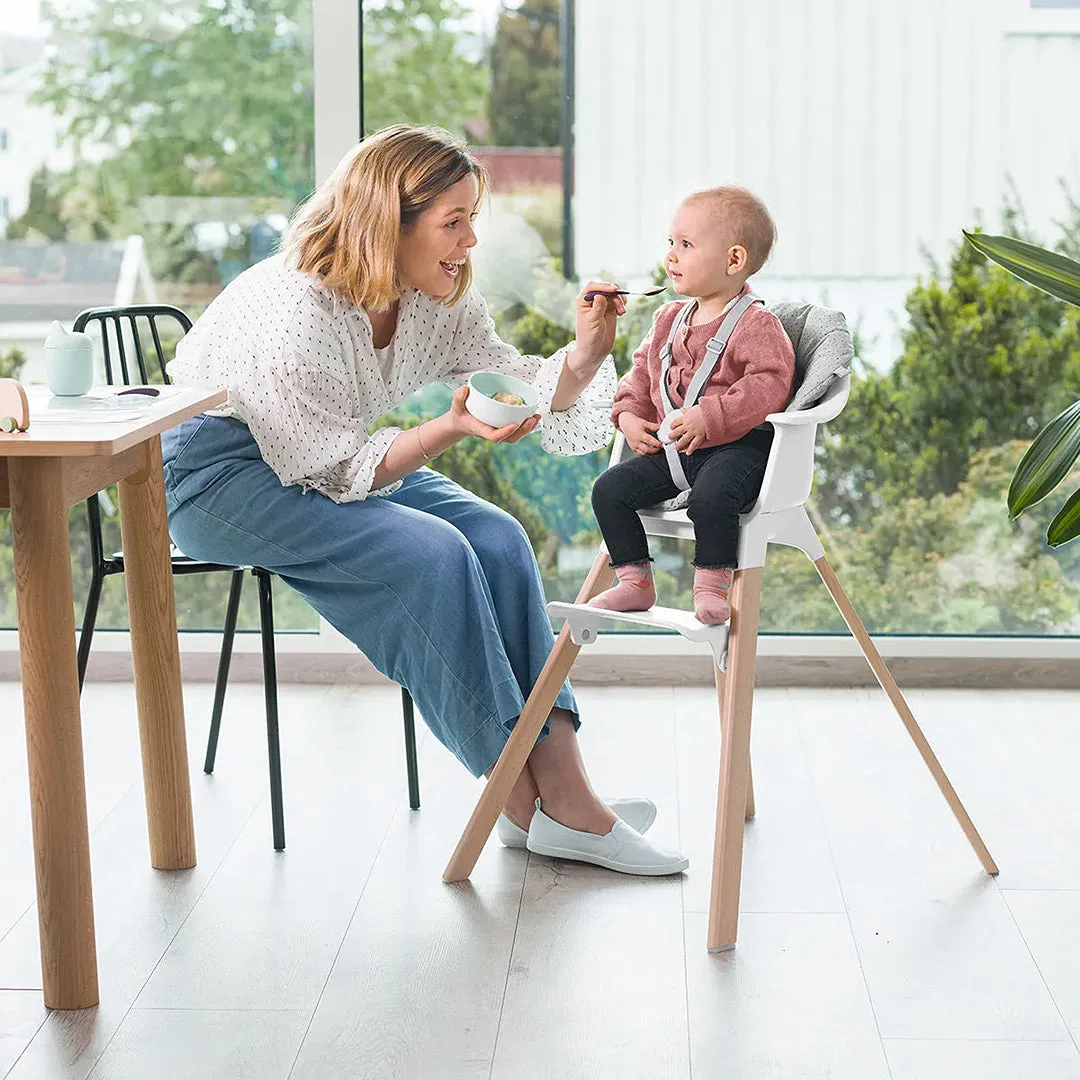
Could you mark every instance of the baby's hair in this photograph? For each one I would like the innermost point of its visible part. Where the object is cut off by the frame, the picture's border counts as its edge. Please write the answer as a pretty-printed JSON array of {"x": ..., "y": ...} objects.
[{"x": 748, "y": 217}]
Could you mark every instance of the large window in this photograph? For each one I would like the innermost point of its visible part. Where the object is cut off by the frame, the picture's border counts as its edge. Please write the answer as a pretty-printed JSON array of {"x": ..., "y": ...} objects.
[
  {"x": 161, "y": 149},
  {"x": 183, "y": 135}
]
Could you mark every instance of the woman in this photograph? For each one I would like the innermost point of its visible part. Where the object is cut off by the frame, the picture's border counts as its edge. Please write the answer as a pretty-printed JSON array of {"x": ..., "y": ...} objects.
[{"x": 369, "y": 301}]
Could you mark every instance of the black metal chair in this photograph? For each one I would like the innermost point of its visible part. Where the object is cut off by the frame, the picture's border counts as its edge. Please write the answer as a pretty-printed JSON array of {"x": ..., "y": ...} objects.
[{"x": 103, "y": 566}]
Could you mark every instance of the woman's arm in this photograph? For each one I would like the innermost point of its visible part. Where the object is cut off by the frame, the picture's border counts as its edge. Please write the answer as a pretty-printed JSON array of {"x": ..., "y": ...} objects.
[
  {"x": 418, "y": 445},
  {"x": 578, "y": 425},
  {"x": 596, "y": 324}
]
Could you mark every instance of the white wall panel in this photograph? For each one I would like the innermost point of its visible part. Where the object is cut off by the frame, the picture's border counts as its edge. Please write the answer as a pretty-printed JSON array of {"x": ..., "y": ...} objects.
[{"x": 872, "y": 128}]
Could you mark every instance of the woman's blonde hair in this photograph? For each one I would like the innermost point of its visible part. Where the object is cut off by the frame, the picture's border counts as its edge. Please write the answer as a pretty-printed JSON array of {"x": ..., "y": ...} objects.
[{"x": 346, "y": 235}]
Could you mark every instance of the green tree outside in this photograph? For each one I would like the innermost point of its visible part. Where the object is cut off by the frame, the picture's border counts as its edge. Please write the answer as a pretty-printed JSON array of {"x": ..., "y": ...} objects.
[
  {"x": 986, "y": 359},
  {"x": 526, "y": 102}
]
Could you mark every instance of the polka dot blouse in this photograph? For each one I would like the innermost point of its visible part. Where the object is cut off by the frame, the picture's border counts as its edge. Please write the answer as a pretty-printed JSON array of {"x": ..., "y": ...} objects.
[{"x": 301, "y": 371}]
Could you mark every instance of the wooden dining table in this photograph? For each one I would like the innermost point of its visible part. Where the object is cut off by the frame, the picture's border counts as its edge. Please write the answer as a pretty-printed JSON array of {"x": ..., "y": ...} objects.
[{"x": 72, "y": 449}]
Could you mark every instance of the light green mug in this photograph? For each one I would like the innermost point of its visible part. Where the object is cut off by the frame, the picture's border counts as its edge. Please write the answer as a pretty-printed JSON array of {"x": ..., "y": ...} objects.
[{"x": 69, "y": 362}]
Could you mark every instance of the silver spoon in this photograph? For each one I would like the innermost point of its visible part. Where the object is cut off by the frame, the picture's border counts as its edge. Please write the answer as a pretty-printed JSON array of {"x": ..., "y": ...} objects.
[{"x": 652, "y": 290}]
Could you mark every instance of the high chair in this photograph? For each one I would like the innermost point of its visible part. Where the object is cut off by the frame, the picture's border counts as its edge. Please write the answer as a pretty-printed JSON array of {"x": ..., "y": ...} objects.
[{"x": 779, "y": 517}]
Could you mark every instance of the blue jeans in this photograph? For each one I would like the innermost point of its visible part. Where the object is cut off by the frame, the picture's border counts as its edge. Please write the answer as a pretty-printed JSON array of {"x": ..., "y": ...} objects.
[{"x": 438, "y": 588}]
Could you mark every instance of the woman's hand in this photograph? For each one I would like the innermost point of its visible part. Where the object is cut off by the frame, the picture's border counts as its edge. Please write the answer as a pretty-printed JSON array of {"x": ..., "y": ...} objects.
[
  {"x": 688, "y": 430},
  {"x": 638, "y": 433},
  {"x": 420, "y": 445},
  {"x": 596, "y": 320},
  {"x": 464, "y": 423}
]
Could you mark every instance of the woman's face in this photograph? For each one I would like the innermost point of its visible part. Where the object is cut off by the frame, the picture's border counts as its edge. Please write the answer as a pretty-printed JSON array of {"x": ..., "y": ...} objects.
[{"x": 434, "y": 248}]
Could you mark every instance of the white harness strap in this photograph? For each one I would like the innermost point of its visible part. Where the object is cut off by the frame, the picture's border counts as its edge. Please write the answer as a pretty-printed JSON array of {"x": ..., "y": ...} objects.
[{"x": 713, "y": 352}]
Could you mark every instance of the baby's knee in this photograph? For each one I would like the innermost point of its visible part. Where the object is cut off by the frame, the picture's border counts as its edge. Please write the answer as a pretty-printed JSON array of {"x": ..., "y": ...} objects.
[
  {"x": 717, "y": 499},
  {"x": 605, "y": 491}
]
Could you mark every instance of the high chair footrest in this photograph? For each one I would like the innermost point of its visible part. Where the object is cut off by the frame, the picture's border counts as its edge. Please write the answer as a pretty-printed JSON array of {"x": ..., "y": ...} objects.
[{"x": 585, "y": 622}]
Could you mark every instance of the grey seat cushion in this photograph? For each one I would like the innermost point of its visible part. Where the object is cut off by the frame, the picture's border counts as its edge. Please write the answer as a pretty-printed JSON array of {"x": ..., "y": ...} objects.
[
  {"x": 823, "y": 349},
  {"x": 823, "y": 353}
]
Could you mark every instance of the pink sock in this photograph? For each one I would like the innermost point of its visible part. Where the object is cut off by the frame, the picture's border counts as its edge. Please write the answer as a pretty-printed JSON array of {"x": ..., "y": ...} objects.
[
  {"x": 711, "y": 605},
  {"x": 634, "y": 592}
]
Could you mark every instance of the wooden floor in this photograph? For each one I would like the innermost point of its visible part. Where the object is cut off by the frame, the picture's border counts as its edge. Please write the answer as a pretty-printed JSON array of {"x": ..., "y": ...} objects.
[{"x": 871, "y": 944}]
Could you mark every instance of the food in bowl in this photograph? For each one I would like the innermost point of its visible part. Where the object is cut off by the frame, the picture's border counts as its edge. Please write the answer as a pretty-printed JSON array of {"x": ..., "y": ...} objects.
[{"x": 489, "y": 392}]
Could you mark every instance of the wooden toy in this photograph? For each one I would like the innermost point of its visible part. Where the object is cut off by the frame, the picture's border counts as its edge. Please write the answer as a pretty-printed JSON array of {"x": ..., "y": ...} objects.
[{"x": 14, "y": 407}]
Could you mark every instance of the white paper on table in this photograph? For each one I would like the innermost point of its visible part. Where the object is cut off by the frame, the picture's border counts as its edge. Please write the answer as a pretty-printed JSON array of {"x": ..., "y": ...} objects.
[{"x": 100, "y": 406}]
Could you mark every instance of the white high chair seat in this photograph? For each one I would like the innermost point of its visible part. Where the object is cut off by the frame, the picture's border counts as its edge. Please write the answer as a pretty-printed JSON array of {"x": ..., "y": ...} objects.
[{"x": 789, "y": 474}]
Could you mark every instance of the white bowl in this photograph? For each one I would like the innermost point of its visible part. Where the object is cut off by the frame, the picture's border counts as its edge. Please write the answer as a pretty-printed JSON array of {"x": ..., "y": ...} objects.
[{"x": 483, "y": 385}]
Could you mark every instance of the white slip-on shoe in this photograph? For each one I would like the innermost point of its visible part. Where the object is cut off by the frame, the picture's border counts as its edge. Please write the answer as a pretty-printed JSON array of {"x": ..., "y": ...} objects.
[
  {"x": 623, "y": 849},
  {"x": 637, "y": 813}
]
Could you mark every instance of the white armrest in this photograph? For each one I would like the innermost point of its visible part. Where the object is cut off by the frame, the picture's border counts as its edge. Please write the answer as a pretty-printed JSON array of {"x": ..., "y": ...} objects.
[
  {"x": 794, "y": 419},
  {"x": 827, "y": 409}
]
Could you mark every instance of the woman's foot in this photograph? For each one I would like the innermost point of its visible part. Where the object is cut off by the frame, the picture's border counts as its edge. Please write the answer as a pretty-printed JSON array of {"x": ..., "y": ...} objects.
[
  {"x": 582, "y": 811},
  {"x": 589, "y": 814},
  {"x": 621, "y": 849},
  {"x": 521, "y": 805},
  {"x": 635, "y": 590},
  {"x": 639, "y": 814},
  {"x": 711, "y": 604},
  {"x": 556, "y": 768}
]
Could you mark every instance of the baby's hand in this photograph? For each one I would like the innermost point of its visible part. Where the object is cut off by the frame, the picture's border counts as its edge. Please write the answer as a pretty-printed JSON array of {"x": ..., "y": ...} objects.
[
  {"x": 637, "y": 432},
  {"x": 688, "y": 430}
]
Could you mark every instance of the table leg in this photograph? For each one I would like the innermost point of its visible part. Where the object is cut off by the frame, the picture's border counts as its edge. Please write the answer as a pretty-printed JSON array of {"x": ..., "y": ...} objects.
[
  {"x": 156, "y": 655},
  {"x": 39, "y": 526}
]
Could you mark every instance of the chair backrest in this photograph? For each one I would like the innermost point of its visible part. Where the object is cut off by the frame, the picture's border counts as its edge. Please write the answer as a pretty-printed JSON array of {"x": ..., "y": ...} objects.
[
  {"x": 823, "y": 354},
  {"x": 120, "y": 323},
  {"x": 125, "y": 322},
  {"x": 823, "y": 349}
]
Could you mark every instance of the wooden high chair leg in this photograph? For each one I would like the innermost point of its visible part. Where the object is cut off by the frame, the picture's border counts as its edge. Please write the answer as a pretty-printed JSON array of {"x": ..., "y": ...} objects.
[
  {"x": 732, "y": 798},
  {"x": 720, "y": 678},
  {"x": 888, "y": 684},
  {"x": 522, "y": 739}
]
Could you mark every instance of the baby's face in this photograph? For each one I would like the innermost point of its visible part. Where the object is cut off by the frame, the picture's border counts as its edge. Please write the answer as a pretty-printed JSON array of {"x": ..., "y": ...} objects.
[{"x": 698, "y": 249}]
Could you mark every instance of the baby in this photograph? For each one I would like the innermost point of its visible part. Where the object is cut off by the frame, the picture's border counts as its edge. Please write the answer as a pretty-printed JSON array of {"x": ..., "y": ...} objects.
[{"x": 694, "y": 403}]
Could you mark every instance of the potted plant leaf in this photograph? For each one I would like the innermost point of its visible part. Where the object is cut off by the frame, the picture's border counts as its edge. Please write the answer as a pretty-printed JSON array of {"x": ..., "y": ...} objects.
[{"x": 1055, "y": 449}]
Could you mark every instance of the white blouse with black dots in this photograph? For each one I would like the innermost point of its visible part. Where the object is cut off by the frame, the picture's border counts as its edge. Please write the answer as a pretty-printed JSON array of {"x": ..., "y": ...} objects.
[{"x": 302, "y": 373}]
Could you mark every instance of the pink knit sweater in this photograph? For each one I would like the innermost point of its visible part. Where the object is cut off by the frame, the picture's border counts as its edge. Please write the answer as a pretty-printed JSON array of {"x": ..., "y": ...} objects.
[{"x": 752, "y": 379}]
